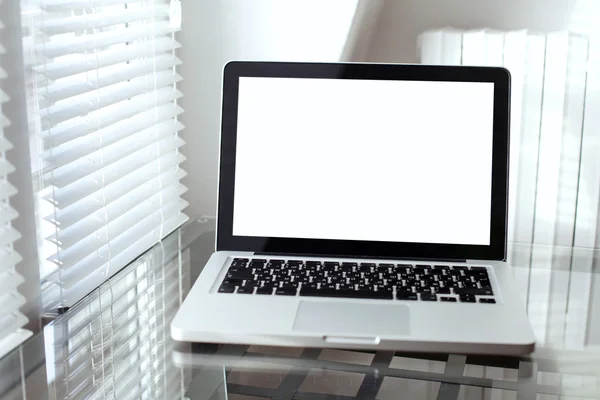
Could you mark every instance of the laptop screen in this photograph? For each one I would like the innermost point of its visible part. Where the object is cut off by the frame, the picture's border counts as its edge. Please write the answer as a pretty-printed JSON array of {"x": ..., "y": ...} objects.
[{"x": 369, "y": 160}]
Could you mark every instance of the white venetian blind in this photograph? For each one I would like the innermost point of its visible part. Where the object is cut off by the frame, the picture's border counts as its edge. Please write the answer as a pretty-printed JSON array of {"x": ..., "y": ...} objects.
[
  {"x": 105, "y": 79},
  {"x": 11, "y": 320}
]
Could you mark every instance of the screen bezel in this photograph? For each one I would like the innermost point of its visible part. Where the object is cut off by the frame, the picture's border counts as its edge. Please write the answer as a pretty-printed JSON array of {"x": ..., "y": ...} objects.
[{"x": 496, "y": 250}]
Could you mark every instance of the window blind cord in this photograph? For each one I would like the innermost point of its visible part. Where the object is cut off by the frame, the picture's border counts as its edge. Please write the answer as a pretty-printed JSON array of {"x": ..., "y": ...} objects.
[
  {"x": 101, "y": 143},
  {"x": 102, "y": 177},
  {"x": 156, "y": 119},
  {"x": 41, "y": 176}
]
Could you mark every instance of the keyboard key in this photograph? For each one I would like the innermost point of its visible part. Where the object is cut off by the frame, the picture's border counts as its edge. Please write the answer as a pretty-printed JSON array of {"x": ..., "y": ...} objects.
[
  {"x": 442, "y": 290},
  {"x": 276, "y": 261},
  {"x": 244, "y": 276},
  {"x": 245, "y": 290},
  {"x": 286, "y": 291},
  {"x": 479, "y": 269},
  {"x": 467, "y": 298},
  {"x": 226, "y": 289},
  {"x": 233, "y": 282},
  {"x": 428, "y": 297},
  {"x": 474, "y": 291},
  {"x": 448, "y": 299},
  {"x": 240, "y": 260},
  {"x": 264, "y": 290},
  {"x": 489, "y": 301},
  {"x": 406, "y": 296},
  {"x": 355, "y": 294}
]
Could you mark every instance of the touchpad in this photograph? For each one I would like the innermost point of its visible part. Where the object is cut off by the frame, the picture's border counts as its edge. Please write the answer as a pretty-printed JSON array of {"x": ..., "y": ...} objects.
[{"x": 358, "y": 319}]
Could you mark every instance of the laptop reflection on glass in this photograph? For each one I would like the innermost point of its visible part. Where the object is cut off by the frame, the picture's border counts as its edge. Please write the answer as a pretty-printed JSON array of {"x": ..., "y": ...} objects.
[{"x": 361, "y": 206}]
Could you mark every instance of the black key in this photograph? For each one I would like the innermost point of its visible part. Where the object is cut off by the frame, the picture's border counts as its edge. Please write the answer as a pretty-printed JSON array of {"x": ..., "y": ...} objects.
[
  {"x": 449, "y": 299},
  {"x": 474, "y": 291},
  {"x": 442, "y": 290},
  {"x": 442, "y": 267},
  {"x": 422, "y": 289},
  {"x": 422, "y": 266},
  {"x": 240, "y": 259},
  {"x": 245, "y": 289},
  {"x": 479, "y": 269},
  {"x": 349, "y": 264},
  {"x": 467, "y": 298},
  {"x": 428, "y": 297},
  {"x": 245, "y": 276},
  {"x": 309, "y": 285},
  {"x": 406, "y": 296},
  {"x": 295, "y": 262},
  {"x": 276, "y": 261},
  {"x": 366, "y": 265},
  {"x": 233, "y": 282},
  {"x": 489, "y": 301},
  {"x": 386, "y": 265},
  {"x": 459, "y": 268},
  {"x": 286, "y": 291},
  {"x": 264, "y": 290},
  {"x": 355, "y": 294},
  {"x": 226, "y": 289}
]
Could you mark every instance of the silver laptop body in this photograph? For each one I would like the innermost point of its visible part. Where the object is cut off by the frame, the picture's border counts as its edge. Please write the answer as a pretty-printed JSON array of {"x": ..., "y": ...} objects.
[{"x": 361, "y": 206}]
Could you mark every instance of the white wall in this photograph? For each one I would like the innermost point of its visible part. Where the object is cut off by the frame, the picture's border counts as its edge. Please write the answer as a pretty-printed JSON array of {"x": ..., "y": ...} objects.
[{"x": 216, "y": 31}]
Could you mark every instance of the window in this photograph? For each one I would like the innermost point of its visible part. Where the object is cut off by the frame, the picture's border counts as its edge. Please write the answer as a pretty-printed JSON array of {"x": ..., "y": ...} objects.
[
  {"x": 103, "y": 80},
  {"x": 11, "y": 320}
]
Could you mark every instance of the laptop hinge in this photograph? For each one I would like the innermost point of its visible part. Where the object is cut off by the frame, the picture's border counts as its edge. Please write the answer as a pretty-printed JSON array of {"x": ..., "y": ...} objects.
[{"x": 360, "y": 257}]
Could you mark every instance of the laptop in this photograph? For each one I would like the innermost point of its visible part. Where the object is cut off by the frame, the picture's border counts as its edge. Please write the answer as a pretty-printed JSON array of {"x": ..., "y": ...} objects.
[{"x": 361, "y": 206}]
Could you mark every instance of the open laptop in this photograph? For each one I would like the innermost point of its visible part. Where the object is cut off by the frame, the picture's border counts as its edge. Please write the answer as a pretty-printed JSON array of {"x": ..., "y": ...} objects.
[{"x": 361, "y": 206}]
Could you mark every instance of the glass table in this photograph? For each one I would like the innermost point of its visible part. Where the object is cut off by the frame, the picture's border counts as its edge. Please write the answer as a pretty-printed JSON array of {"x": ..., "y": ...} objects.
[{"x": 115, "y": 343}]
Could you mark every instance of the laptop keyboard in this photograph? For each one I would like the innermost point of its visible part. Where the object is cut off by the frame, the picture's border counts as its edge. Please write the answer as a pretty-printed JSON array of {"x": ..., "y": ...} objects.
[{"x": 383, "y": 281}]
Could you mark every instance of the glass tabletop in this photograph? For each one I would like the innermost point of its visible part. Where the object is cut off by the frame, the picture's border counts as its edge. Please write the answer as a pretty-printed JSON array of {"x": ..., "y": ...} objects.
[{"x": 115, "y": 343}]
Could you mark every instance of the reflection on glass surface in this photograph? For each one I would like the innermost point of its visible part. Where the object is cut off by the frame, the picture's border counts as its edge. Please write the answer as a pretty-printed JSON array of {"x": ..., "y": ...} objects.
[{"x": 116, "y": 344}]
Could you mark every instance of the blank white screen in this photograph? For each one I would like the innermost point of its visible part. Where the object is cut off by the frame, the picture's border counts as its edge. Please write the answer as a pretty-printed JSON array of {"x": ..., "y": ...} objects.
[{"x": 399, "y": 161}]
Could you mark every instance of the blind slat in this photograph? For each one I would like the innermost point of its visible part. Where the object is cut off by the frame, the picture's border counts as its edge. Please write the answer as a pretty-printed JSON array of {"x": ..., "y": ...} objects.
[
  {"x": 7, "y": 214},
  {"x": 57, "y": 47},
  {"x": 10, "y": 258},
  {"x": 106, "y": 116},
  {"x": 69, "y": 5},
  {"x": 73, "y": 87},
  {"x": 75, "y": 193},
  {"x": 52, "y": 25},
  {"x": 139, "y": 237},
  {"x": 5, "y": 145},
  {"x": 80, "y": 63},
  {"x": 9, "y": 281},
  {"x": 141, "y": 146},
  {"x": 91, "y": 226},
  {"x": 95, "y": 202},
  {"x": 76, "y": 149},
  {"x": 8, "y": 236},
  {"x": 77, "y": 107}
]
